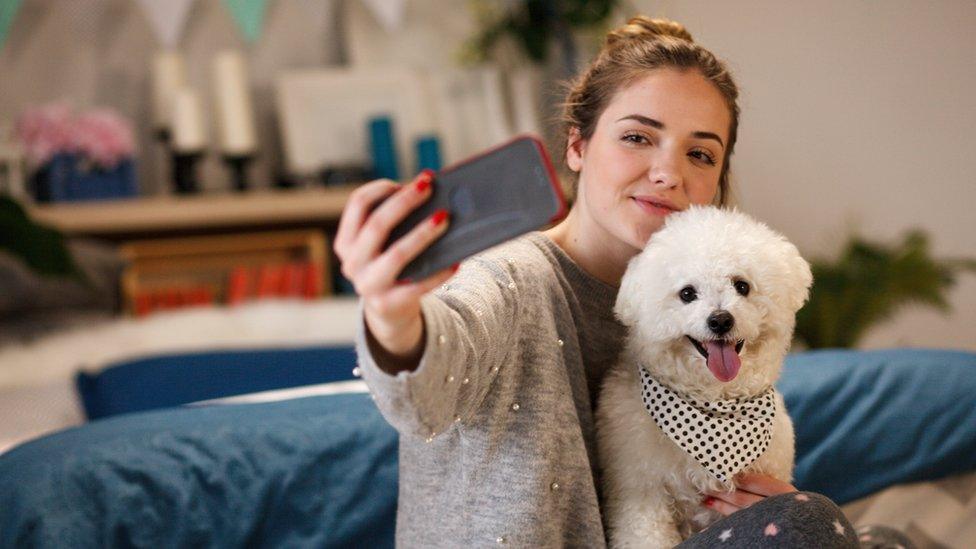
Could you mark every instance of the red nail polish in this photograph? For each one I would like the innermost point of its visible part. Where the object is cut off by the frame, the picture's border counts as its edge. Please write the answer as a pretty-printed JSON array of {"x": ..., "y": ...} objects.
[
  {"x": 438, "y": 217},
  {"x": 707, "y": 502},
  {"x": 422, "y": 184},
  {"x": 455, "y": 267}
]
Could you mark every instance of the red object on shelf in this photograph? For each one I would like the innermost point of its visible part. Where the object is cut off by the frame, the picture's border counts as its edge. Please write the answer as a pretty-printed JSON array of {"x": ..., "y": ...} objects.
[
  {"x": 269, "y": 281},
  {"x": 292, "y": 280},
  {"x": 198, "y": 295},
  {"x": 170, "y": 298},
  {"x": 143, "y": 303},
  {"x": 238, "y": 285},
  {"x": 313, "y": 281}
]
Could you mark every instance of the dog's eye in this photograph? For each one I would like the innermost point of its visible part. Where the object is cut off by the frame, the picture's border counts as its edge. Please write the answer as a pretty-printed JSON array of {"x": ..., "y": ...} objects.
[
  {"x": 742, "y": 287},
  {"x": 688, "y": 294}
]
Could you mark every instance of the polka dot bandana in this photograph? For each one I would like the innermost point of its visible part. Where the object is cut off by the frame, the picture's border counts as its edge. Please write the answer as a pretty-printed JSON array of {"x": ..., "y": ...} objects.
[{"x": 724, "y": 436}]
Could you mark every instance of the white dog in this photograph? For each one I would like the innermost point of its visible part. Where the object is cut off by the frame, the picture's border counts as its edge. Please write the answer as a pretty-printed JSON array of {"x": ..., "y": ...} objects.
[{"x": 710, "y": 304}]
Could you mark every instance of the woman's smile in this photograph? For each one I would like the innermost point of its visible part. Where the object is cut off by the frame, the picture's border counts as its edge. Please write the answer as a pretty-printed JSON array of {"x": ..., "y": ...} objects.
[{"x": 655, "y": 205}]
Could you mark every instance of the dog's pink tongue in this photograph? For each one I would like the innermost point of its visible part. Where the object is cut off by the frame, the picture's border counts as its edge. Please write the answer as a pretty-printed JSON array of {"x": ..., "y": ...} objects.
[{"x": 723, "y": 361}]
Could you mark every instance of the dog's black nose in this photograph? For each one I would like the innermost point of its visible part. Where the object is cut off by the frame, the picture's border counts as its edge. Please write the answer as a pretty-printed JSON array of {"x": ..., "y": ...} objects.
[{"x": 720, "y": 322}]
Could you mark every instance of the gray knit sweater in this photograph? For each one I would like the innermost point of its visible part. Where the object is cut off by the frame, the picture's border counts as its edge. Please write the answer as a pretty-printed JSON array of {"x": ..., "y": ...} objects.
[{"x": 497, "y": 435}]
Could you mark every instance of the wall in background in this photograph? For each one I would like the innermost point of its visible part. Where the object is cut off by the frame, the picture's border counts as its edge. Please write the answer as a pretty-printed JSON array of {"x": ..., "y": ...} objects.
[{"x": 855, "y": 115}]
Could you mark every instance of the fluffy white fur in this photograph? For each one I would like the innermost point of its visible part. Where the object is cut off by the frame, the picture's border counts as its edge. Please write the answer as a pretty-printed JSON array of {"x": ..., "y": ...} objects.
[{"x": 652, "y": 488}]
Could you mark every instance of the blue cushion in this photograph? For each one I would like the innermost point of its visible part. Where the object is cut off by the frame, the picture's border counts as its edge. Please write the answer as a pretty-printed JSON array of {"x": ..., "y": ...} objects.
[
  {"x": 865, "y": 420},
  {"x": 170, "y": 380},
  {"x": 312, "y": 472}
]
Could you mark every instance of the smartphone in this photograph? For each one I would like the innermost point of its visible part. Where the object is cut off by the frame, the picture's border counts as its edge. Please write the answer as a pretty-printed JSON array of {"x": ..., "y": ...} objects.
[{"x": 492, "y": 197}]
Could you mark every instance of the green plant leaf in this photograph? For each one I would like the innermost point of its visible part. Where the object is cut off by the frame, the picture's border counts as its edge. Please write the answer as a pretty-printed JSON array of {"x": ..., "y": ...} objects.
[
  {"x": 41, "y": 248},
  {"x": 868, "y": 284}
]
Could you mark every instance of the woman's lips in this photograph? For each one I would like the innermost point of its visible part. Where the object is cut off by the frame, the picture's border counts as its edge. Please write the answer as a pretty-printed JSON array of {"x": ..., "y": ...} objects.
[{"x": 656, "y": 207}]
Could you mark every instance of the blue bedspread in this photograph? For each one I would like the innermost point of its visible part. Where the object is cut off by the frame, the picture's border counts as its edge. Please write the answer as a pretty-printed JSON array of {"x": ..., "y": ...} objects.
[{"x": 312, "y": 472}]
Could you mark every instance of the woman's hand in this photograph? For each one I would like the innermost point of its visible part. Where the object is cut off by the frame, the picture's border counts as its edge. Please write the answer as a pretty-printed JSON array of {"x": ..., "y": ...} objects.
[
  {"x": 749, "y": 488},
  {"x": 391, "y": 308}
]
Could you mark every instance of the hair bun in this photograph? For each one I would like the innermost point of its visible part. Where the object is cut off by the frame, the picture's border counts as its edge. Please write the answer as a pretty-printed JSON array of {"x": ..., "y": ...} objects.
[{"x": 642, "y": 28}]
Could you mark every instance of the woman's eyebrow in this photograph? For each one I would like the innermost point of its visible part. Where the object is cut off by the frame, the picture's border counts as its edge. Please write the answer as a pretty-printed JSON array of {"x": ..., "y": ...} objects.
[{"x": 656, "y": 124}]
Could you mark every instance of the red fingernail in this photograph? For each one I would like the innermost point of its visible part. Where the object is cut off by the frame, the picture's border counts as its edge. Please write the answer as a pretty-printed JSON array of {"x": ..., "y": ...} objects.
[
  {"x": 404, "y": 282},
  {"x": 438, "y": 217},
  {"x": 707, "y": 502},
  {"x": 423, "y": 180},
  {"x": 455, "y": 267}
]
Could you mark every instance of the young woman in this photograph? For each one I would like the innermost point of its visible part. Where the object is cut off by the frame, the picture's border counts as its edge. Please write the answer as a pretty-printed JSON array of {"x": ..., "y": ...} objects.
[{"x": 490, "y": 373}]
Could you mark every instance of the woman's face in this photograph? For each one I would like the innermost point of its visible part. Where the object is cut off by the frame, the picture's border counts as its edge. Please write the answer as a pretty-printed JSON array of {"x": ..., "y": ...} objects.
[{"x": 657, "y": 148}]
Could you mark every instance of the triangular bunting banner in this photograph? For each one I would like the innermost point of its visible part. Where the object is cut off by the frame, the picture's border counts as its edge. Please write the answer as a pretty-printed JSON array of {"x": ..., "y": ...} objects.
[
  {"x": 168, "y": 17},
  {"x": 249, "y": 16},
  {"x": 8, "y": 10},
  {"x": 388, "y": 12}
]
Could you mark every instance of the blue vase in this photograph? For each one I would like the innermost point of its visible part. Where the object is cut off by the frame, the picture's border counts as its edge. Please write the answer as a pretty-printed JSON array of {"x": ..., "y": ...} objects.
[{"x": 383, "y": 147}]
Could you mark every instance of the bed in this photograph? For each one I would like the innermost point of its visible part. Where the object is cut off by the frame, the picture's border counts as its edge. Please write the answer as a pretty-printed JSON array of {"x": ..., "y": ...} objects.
[{"x": 303, "y": 458}]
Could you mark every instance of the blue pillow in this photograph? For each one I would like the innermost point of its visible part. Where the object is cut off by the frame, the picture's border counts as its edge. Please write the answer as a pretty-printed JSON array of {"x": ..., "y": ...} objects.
[
  {"x": 865, "y": 420},
  {"x": 312, "y": 472},
  {"x": 170, "y": 380}
]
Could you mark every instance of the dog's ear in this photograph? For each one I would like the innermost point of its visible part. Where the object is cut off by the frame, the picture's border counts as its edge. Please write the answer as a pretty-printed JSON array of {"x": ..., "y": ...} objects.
[
  {"x": 626, "y": 309},
  {"x": 802, "y": 278}
]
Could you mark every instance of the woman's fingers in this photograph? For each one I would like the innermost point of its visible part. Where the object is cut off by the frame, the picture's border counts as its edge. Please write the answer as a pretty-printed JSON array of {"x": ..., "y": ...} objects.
[
  {"x": 719, "y": 505},
  {"x": 382, "y": 272},
  {"x": 414, "y": 290},
  {"x": 357, "y": 208},
  {"x": 764, "y": 485},
  {"x": 406, "y": 296},
  {"x": 738, "y": 499},
  {"x": 750, "y": 488},
  {"x": 376, "y": 230}
]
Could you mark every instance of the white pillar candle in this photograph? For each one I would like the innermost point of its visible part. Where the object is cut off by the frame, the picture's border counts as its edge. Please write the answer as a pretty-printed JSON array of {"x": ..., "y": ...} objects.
[
  {"x": 189, "y": 135},
  {"x": 235, "y": 117},
  {"x": 168, "y": 76}
]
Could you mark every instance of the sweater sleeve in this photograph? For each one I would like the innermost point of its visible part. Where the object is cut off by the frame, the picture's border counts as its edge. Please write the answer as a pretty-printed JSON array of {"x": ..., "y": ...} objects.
[{"x": 470, "y": 329}]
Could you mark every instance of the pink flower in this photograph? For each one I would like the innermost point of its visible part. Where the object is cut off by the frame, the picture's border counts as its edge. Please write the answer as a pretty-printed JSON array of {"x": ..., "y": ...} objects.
[
  {"x": 45, "y": 131},
  {"x": 771, "y": 529},
  {"x": 104, "y": 137},
  {"x": 101, "y": 135}
]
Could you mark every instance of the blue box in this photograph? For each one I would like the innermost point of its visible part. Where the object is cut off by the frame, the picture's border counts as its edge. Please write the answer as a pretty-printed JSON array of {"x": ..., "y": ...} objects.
[{"x": 70, "y": 177}]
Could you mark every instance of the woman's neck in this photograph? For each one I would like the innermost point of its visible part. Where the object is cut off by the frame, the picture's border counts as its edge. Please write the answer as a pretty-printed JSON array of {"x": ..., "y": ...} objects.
[{"x": 597, "y": 253}]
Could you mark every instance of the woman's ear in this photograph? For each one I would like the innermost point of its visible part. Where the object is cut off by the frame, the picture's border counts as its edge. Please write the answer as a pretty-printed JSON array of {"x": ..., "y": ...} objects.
[{"x": 574, "y": 150}]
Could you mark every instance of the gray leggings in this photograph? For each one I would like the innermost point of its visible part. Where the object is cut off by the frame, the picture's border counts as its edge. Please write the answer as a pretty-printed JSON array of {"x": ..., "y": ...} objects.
[{"x": 796, "y": 520}]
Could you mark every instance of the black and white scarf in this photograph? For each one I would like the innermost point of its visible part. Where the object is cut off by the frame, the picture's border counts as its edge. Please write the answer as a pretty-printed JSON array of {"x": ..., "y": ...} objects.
[{"x": 724, "y": 436}]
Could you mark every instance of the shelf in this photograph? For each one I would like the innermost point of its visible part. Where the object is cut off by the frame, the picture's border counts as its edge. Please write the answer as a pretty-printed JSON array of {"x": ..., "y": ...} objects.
[
  {"x": 195, "y": 212},
  {"x": 228, "y": 269}
]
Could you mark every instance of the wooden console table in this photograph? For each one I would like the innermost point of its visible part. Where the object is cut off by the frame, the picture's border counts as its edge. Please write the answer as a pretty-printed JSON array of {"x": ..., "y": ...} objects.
[
  {"x": 123, "y": 220},
  {"x": 197, "y": 244}
]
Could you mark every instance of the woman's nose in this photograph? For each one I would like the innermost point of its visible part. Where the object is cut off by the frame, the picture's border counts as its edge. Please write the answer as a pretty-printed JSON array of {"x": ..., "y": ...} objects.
[{"x": 664, "y": 172}]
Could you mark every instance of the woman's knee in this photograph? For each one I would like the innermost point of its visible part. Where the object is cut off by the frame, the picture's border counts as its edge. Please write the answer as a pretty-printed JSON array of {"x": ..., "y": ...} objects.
[{"x": 808, "y": 519}]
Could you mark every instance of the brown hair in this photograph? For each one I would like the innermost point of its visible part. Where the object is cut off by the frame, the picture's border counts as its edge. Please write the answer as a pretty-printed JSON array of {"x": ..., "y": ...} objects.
[{"x": 628, "y": 52}]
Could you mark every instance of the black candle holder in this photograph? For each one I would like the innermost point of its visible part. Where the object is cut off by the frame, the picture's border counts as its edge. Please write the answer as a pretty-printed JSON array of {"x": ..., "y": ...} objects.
[
  {"x": 238, "y": 169},
  {"x": 185, "y": 171}
]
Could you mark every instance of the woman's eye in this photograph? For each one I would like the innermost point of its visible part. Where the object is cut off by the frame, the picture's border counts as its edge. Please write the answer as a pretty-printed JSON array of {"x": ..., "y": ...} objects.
[
  {"x": 742, "y": 287},
  {"x": 635, "y": 138},
  {"x": 688, "y": 294},
  {"x": 703, "y": 156}
]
